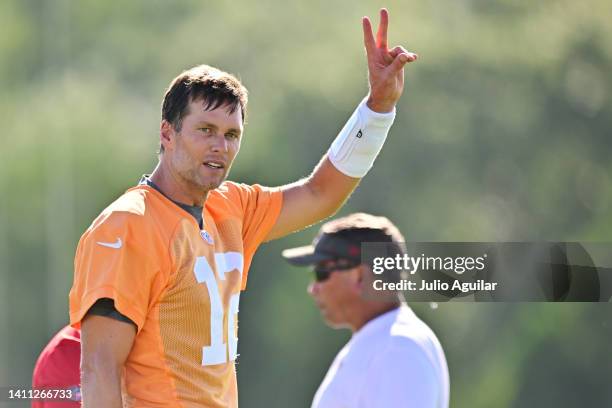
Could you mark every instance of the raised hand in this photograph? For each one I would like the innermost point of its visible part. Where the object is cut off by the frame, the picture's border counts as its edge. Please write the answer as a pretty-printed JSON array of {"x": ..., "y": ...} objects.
[{"x": 385, "y": 67}]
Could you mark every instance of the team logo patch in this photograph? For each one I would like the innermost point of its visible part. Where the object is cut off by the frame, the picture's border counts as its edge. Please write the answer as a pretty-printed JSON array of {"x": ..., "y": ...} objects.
[{"x": 206, "y": 237}]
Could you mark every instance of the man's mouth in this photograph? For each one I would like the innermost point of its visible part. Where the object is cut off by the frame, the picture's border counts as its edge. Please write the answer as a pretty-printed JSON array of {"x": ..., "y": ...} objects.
[{"x": 214, "y": 165}]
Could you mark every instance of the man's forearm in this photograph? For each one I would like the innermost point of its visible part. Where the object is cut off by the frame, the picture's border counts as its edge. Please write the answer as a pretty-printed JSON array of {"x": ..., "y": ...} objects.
[
  {"x": 101, "y": 386},
  {"x": 105, "y": 346}
]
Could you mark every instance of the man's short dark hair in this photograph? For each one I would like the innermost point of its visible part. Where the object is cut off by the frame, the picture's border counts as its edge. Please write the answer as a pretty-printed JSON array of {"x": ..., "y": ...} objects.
[{"x": 212, "y": 86}]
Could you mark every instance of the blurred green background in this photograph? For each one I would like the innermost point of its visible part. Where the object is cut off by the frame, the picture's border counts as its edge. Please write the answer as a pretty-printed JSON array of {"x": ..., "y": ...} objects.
[{"x": 503, "y": 133}]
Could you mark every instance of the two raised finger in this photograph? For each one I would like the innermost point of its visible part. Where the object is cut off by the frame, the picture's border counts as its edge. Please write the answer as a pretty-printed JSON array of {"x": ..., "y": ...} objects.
[
  {"x": 381, "y": 42},
  {"x": 381, "y": 35}
]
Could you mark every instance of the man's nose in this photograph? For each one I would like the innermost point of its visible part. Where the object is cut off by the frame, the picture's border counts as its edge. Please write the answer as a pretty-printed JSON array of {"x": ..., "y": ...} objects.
[
  {"x": 313, "y": 289},
  {"x": 220, "y": 143}
]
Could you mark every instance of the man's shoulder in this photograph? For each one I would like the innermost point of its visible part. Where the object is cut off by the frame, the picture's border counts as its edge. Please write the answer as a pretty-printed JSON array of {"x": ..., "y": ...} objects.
[
  {"x": 225, "y": 200},
  {"x": 229, "y": 198},
  {"x": 407, "y": 325},
  {"x": 235, "y": 196},
  {"x": 134, "y": 201},
  {"x": 226, "y": 188},
  {"x": 400, "y": 331},
  {"x": 412, "y": 341},
  {"x": 140, "y": 207},
  {"x": 230, "y": 190}
]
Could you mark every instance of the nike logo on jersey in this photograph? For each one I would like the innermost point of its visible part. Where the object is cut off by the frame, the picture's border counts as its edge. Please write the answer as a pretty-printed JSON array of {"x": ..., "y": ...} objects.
[{"x": 115, "y": 245}]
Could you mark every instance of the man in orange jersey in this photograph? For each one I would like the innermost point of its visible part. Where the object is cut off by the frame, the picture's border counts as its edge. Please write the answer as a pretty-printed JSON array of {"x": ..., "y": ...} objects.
[{"x": 159, "y": 272}]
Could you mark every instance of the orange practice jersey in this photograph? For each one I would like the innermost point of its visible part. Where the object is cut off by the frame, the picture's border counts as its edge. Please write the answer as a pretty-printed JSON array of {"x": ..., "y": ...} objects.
[{"x": 180, "y": 285}]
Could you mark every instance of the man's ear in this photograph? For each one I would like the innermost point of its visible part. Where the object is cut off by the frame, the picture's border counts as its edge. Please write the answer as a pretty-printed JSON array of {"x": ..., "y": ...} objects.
[
  {"x": 362, "y": 274},
  {"x": 167, "y": 134}
]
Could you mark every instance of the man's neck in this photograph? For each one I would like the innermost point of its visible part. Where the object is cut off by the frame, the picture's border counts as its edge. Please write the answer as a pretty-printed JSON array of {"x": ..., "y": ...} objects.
[
  {"x": 369, "y": 312},
  {"x": 170, "y": 185}
]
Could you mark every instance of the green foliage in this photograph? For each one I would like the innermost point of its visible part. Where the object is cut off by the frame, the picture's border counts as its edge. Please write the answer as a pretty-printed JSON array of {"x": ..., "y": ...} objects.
[{"x": 503, "y": 134}]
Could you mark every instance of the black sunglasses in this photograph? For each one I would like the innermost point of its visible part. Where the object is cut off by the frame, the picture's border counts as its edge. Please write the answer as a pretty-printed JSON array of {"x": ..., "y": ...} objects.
[{"x": 323, "y": 270}]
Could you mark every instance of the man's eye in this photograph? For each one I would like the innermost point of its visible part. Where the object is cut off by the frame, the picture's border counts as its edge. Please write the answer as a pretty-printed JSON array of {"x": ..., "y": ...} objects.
[
  {"x": 231, "y": 135},
  {"x": 205, "y": 130}
]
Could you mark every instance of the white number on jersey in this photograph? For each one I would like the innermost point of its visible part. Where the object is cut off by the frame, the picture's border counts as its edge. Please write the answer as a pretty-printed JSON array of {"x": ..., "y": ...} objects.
[{"x": 226, "y": 262}]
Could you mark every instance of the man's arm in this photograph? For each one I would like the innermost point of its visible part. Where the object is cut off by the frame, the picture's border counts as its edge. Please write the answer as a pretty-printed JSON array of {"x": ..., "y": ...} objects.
[
  {"x": 322, "y": 193},
  {"x": 312, "y": 199},
  {"x": 105, "y": 345}
]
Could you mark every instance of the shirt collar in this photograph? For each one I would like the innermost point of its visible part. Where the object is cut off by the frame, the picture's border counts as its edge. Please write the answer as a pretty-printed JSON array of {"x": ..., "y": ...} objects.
[{"x": 384, "y": 320}]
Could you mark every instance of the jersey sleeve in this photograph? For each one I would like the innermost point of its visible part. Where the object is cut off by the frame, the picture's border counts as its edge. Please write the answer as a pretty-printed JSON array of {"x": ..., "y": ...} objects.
[
  {"x": 260, "y": 207},
  {"x": 117, "y": 258},
  {"x": 402, "y": 376}
]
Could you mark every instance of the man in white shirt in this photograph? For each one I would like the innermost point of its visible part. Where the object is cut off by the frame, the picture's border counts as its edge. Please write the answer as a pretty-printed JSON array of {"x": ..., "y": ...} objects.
[{"x": 393, "y": 359}]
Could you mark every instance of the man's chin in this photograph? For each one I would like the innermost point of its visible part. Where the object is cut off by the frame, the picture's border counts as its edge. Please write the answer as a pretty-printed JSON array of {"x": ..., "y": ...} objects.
[
  {"x": 329, "y": 320},
  {"x": 336, "y": 325},
  {"x": 213, "y": 186},
  {"x": 210, "y": 185}
]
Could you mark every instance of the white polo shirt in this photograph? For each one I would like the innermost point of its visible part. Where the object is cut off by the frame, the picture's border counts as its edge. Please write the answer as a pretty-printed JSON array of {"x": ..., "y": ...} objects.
[{"x": 395, "y": 360}]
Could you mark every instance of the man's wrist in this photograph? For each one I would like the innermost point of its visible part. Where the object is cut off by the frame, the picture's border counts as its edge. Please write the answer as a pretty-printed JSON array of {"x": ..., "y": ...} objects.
[
  {"x": 380, "y": 107},
  {"x": 355, "y": 148},
  {"x": 374, "y": 118}
]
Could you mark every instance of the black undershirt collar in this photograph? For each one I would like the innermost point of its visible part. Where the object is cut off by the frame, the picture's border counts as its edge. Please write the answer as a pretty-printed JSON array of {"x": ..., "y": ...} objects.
[{"x": 194, "y": 210}]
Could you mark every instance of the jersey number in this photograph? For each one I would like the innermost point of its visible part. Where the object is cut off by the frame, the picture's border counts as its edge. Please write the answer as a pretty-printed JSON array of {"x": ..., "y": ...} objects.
[{"x": 217, "y": 352}]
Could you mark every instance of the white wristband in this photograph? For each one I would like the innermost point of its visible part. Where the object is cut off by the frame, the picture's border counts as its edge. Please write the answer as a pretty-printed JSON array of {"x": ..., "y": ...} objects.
[{"x": 355, "y": 148}]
